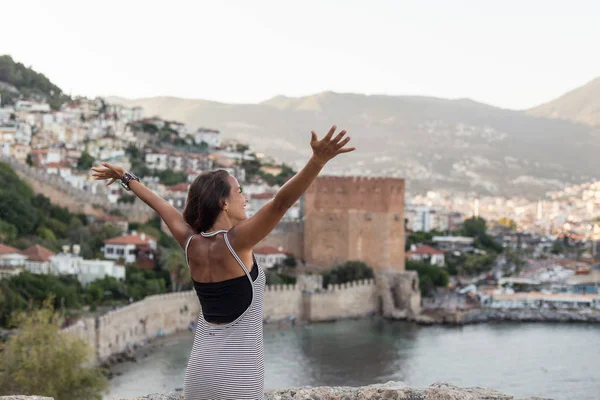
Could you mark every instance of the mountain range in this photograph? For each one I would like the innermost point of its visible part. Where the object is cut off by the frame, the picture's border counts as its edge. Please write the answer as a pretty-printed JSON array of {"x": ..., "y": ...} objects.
[{"x": 457, "y": 145}]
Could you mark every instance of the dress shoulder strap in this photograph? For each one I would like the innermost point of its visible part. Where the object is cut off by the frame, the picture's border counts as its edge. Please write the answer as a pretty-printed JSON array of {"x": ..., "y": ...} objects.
[
  {"x": 187, "y": 245},
  {"x": 238, "y": 259}
]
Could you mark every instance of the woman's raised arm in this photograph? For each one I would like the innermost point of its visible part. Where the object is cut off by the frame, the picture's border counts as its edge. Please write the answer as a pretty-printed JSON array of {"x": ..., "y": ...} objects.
[
  {"x": 173, "y": 218},
  {"x": 246, "y": 234}
]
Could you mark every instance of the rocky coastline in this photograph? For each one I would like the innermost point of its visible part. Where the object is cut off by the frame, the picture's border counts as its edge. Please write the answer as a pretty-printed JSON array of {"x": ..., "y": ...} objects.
[
  {"x": 388, "y": 391},
  {"x": 493, "y": 315}
]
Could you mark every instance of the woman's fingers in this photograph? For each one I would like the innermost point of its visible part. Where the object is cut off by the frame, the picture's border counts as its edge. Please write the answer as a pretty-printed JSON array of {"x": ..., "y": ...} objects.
[
  {"x": 339, "y": 136},
  {"x": 346, "y": 150},
  {"x": 330, "y": 133},
  {"x": 109, "y": 166},
  {"x": 112, "y": 180},
  {"x": 343, "y": 142}
]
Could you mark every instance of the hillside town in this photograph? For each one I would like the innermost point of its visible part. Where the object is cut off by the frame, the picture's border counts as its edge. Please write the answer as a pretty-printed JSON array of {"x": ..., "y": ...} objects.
[{"x": 168, "y": 155}]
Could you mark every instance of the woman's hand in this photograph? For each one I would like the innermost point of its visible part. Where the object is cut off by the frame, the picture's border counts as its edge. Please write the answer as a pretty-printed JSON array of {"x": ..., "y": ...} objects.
[
  {"x": 327, "y": 148},
  {"x": 108, "y": 171}
]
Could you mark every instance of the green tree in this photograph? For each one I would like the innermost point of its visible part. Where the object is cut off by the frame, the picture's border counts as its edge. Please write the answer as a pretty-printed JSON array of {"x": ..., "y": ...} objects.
[
  {"x": 290, "y": 261},
  {"x": 421, "y": 237},
  {"x": 347, "y": 272},
  {"x": 29, "y": 160},
  {"x": 7, "y": 231},
  {"x": 126, "y": 199},
  {"x": 178, "y": 270},
  {"x": 558, "y": 247},
  {"x": 276, "y": 278},
  {"x": 45, "y": 233},
  {"x": 41, "y": 360},
  {"x": 16, "y": 206},
  {"x": 169, "y": 177},
  {"x": 285, "y": 174},
  {"x": 85, "y": 162},
  {"x": 430, "y": 276},
  {"x": 29, "y": 83},
  {"x": 476, "y": 228},
  {"x": 242, "y": 149},
  {"x": 513, "y": 259}
]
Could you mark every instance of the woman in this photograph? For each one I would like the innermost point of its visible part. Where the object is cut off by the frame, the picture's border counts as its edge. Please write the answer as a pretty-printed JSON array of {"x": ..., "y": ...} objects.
[{"x": 227, "y": 359}]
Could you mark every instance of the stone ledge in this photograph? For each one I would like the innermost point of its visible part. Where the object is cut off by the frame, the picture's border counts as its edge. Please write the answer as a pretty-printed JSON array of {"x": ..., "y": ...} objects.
[
  {"x": 386, "y": 391},
  {"x": 19, "y": 397}
]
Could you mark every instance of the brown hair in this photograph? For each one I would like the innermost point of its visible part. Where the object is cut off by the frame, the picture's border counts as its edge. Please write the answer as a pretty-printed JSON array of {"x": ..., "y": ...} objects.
[{"x": 206, "y": 198}]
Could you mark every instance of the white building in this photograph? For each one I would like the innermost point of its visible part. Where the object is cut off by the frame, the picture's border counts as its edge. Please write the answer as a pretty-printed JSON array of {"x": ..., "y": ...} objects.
[
  {"x": 8, "y": 133},
  {"x": 448, "y": 243},
  {"x": 425, "y": 218},
  {"x": 176, "y": 161},
  {"x": 87, "y": 271},
  {"x": 426, "y": 253},
  {"x": 209, "y": 136},
  {"x": 92, "y": 270},
  {"x": 26, "y": 105},
  {"x": 157, "y": 161},
  {"x": 11, "y": 261},
  {"x": 58, "y": 169},
  {"x": 269, "y": 256},
  {"x": 127, "y": 246},
  {"x": 238, "y": 172},
  {"x": 52, "y": 156},
  {"x": 38, "y": 259}
]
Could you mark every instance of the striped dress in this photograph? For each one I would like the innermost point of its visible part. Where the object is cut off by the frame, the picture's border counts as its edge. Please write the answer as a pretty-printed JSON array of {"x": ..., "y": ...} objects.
[{"x": 227, "y": 360}]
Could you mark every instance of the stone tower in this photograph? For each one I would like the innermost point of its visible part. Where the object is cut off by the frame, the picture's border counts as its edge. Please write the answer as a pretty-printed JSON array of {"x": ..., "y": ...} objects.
[{"x": 355, "y": 218}]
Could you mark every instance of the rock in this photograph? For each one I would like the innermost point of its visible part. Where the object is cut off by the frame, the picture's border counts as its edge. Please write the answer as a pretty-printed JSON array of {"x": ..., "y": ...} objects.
[
  {"x": 19, "y": 397},
  {"x": 424, "y": 320},
  {"x": 386, "y": 391},
  {"x": 390, "y": 390}
]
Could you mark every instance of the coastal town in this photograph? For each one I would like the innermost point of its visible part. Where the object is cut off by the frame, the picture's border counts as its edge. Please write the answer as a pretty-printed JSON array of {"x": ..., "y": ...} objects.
[{"x": 547, "y": 254}]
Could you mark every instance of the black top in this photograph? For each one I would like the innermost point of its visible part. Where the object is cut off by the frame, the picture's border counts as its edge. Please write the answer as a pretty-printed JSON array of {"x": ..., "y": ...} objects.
[{"x": 225, "y": 301}]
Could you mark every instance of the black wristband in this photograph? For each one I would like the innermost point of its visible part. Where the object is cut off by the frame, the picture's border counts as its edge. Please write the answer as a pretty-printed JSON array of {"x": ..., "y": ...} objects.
[{"x": 126, "y": 178}]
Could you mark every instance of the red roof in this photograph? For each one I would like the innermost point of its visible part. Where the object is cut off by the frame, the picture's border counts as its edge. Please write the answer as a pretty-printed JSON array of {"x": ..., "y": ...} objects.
[
  {"x": 4, "y": 249},
  {"x": 425, "y": 249},
  {"x": 131, "y": 239},
  {"x": 269, "y": 250},
  {"x": 265, "y": 196},
  {"x": 180, "y": 187},
  {"x": 38, "y": 253},
  {"x": 56, "y": 165}
]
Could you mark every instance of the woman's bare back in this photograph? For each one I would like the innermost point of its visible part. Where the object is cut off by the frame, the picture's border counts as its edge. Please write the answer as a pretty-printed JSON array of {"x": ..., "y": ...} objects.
[{"x": 211, "y": 261}]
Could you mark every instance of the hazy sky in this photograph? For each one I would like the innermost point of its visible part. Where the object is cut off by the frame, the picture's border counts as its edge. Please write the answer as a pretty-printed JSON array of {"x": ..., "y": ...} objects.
[{"x": 512, "y": 54}]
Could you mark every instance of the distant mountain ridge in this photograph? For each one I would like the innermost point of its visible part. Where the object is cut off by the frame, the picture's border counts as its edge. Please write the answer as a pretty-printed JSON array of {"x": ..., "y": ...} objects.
[
  {"x": 579, "y": 105},
  {"x": 434, "y": 143}
]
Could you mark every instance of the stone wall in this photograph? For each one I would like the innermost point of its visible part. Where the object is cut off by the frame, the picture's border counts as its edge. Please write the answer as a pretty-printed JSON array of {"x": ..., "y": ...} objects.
[
  {"x": 355, "y": 218},
  {"x": 76, "y": 200},
  {"x": 346, "y": 300},
  {"x": 281, "y": 301},
  {"x": 400, "y": 296},
  {"x": 85, "y": 329},
  {"x": 121, "y": 329},
  {"x": 145, "y": 319}
]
